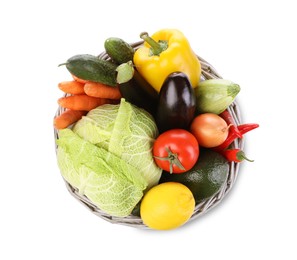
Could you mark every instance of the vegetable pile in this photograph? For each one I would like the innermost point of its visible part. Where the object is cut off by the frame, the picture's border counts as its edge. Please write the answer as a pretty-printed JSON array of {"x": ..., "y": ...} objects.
[{"x": 136, "y": 118}]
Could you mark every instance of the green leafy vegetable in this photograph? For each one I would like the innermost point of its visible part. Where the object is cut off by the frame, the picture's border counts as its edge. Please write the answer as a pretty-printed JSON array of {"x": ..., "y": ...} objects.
[
  {"x": 108, "y": 156},
  {"x": 125, "y": 131},
  {"x": 107, "y": 180}
]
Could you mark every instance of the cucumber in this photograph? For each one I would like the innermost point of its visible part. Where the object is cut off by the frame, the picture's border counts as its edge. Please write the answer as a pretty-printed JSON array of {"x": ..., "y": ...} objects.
[
  {"x": 89, "y": 67},
  {"x": 118, "y": 50}
]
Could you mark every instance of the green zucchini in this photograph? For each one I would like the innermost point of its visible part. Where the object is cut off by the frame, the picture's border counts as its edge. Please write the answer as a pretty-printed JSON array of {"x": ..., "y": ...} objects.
[
  {"x": 89, "y": 67},
  {"x": 118, "y": 50},
  {"x": 215, "y": 95}
]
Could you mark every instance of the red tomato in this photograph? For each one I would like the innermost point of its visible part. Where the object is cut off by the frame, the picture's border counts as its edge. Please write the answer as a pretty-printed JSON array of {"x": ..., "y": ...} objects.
[
  {"x": 176, "y": 151},
  {"x": 210, "y": 129}
]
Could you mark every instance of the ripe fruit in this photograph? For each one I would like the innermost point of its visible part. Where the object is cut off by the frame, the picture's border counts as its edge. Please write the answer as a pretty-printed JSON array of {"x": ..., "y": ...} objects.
[
  {"x": 167, "y": 206},
  {"x": 176, "y": 151}
]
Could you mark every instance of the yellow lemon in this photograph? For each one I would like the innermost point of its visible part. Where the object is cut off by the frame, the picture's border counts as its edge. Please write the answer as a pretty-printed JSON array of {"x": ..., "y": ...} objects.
[{"x": 167, "y": 206}]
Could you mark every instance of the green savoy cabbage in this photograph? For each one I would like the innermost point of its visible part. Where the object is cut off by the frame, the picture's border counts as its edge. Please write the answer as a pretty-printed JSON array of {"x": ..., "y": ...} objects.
[
  {"x": 108, "y": 156},
  {"x": 126, "y": 131}
]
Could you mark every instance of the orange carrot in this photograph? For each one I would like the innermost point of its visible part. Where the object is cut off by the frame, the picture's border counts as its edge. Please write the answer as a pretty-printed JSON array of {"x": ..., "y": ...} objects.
[
  {"x": 72, "y": 87},
  {"x": 67, "y": 118},
  {"x": 95, "y": 89},
  {"x": 78, "y": 79},
  {"x": 81, "y": 102}
]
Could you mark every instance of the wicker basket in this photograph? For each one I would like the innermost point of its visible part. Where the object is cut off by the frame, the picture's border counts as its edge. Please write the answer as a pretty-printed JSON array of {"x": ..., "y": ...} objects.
[{"x": 208, "y": 72}]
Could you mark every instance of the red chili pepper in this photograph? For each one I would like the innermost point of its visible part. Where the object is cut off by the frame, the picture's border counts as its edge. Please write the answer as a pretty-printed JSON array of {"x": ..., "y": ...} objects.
[
  {"x": 229, "y": 140},
  {"x": 244, "y": 128},
  {"x": 235, "y": 155},
  {"x": 247, "y": 127},
  {"x": 230, "y": 121}
]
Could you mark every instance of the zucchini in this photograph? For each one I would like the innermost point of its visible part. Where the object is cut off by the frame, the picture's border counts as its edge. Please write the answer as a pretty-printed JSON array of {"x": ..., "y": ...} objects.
[
  {"x": 215, "y": 95},
  {"x": 89, "y": 67},
  {"x": 118, "y": 50}
]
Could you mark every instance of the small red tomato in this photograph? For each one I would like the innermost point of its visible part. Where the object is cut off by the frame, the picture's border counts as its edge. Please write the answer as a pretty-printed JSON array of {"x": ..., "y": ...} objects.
[{"x": 176, "y": 151}]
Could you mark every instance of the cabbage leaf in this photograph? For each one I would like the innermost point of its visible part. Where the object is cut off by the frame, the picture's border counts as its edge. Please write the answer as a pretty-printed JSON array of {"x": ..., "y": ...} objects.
[
  {"x": 107, "y": 180},
  {"x": 125, "y": 131}
]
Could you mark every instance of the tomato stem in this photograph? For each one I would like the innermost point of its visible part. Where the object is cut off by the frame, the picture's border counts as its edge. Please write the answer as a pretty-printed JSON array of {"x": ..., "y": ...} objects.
[{"x": 172, "y": 158}]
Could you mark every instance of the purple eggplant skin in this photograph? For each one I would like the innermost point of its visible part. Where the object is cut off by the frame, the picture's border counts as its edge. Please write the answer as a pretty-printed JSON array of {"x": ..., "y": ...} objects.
[{"x": 176, "y": 104}]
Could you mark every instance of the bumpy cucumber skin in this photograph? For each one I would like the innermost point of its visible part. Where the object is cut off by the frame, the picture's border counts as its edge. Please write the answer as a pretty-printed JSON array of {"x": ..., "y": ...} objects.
[
  {"x": 118, "y": 50},
  {"x": 89, "y": 67}
]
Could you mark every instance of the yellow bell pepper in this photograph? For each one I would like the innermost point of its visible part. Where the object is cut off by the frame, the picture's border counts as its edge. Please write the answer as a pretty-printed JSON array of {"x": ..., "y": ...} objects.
[{"x": 167, "y": 51}]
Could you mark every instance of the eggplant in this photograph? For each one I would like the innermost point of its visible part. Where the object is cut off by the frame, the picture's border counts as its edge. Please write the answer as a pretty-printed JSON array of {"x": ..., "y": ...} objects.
[
  {"x": 176, "y": 104},
  {"x": 140, "y": 93}
]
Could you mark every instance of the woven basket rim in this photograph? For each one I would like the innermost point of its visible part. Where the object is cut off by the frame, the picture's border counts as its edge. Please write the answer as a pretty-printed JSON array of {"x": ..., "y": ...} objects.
[{"x": 207, "y": 72}]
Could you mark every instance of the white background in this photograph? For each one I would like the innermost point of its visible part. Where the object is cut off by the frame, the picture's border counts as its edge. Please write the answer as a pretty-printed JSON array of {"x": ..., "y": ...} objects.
[{"x": 250, "y": 42}]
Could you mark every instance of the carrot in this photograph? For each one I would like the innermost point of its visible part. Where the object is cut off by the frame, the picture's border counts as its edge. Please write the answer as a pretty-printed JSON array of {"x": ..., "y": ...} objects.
[
  {"x": 72, "y": 87},
  {"x": 67, "y": 118},
  {"x": 95, "y": 89},
  {"x": 78, "y": 79},
  {"x": 81, "y": 102}
]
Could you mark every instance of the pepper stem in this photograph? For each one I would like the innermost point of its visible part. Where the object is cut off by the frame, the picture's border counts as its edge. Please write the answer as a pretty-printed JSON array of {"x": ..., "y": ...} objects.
[
  {"x": 62, "y": 64},
  {"x": 156, "y": 47},
  {"x": 241, "y": 156}
]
